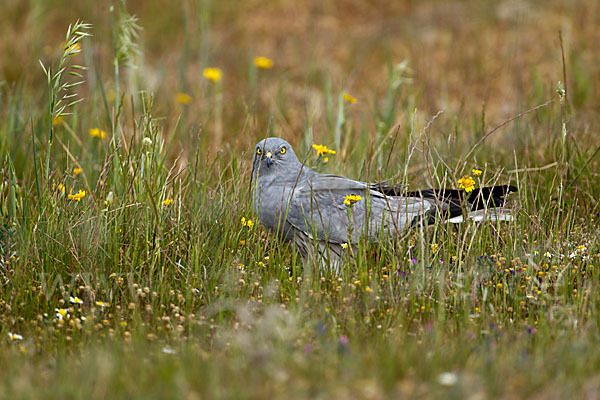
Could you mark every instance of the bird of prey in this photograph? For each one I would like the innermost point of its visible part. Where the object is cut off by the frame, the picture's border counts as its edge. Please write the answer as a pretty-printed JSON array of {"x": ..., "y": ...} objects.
[{"x": 326, "y": 215}]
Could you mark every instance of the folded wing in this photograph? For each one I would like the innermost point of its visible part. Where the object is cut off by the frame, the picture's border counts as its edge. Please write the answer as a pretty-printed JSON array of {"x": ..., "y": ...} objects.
[{"x": 318, "y": 208}]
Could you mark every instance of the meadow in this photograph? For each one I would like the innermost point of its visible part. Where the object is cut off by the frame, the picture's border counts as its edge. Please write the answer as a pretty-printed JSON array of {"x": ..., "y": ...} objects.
[{"x": 132, "y": 264}]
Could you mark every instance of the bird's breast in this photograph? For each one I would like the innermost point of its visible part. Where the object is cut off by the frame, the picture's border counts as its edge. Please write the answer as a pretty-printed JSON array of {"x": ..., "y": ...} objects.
[{"x": 271, "y": 201}]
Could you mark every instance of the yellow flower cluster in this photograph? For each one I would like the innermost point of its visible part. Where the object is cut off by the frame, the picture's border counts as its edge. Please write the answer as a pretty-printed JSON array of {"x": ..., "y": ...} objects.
[
  {"x": 97, "y": 133},
  {"x": 74, "y": 49},
  {"x": 322, "y": 149},
  {"x": 77, "y": 171},
  {"x": 467, "y": 183},
  {"x": 350, "y": 99},
  {"x": 168, "y": 202},
  {"x": 213, "y": 74},
  {"x": 57, "y": 120},
  {"x": 263, "y": 62},
  {"x": 350, "y": 199},
  {"x": 247, "y": 222},
  {"x": 476, "y": 171},
  {"x": 77, "y": 196},
  {"x": 183, "y": 98}
]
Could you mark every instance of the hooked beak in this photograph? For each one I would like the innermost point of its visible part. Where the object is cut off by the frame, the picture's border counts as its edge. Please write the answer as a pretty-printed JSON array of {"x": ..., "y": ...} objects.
[{"x": 269, "y": 159}]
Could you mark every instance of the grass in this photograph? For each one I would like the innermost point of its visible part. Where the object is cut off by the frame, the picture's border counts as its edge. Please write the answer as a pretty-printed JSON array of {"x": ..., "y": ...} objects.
[{"x": 162, "y": 291}]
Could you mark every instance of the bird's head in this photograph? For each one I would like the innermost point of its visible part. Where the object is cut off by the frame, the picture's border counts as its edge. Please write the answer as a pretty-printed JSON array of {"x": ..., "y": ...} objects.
[{"x": 272, "y": 156}]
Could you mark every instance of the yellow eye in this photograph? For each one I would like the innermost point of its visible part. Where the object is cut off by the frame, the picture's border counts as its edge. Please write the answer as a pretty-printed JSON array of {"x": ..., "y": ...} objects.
[
  {"x": 258, "y": 152},
  {"x": 282, "y": 151}
]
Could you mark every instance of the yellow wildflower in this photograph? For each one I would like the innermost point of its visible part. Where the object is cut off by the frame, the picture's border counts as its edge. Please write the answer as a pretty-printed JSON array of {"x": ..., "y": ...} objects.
[
  {"x": 350, "y": 199},
  {"x": 476, "y": 171},
  {"x": 183, "y": 98},
  {"x": 97, "y": 133},
  {"x": 167, "y": 202},
  {"x": 77, "y": 171},
  {"x": 61, "y": 187},
  {"x": 77, "y": 196},
  {"x": 263, "y": 62},
  {"x": 326, "y": 159},
  {"x": 111, "y": 95},
  {"x": 242, "y": 242},
  {"x": 74, "y": 48},
  {"x": 322, "y": 149},
  {"x": 101, "y": 304},
  {"x": 467, "y": 183},
  {"x": 212, "y": 74},
  {"x": 57, "y": 120},
  {"x": 344, "y": 245},
  {"x": 368, "y": 289},
  {"x": 349, "y": 98},
  {"x": 434, "y": 248},
  {"x": 247, "y": 222}
]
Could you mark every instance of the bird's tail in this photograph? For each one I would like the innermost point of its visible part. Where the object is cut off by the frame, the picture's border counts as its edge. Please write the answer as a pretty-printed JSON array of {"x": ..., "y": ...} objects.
[{"x": 486, "y": 203}]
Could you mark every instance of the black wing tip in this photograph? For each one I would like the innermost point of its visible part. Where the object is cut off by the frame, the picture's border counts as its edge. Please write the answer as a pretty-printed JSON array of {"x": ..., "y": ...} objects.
[{"x": 398, "y": 190}]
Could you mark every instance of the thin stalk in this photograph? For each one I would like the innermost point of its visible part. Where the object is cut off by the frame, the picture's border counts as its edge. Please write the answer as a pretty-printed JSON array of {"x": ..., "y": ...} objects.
[{"x": 35, "y": 169}]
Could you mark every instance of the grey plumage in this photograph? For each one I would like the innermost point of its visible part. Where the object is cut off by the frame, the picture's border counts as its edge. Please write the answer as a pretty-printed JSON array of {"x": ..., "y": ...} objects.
[{"x": 308, "y": 208}]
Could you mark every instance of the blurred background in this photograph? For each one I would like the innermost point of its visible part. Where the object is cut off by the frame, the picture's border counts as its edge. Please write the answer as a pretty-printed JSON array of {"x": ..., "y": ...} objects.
[{"x": 481, "y": 62}]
